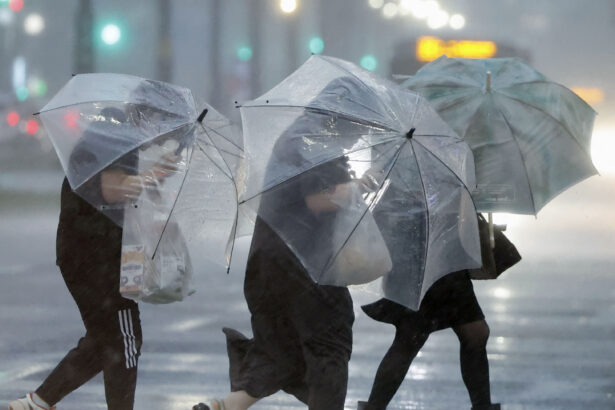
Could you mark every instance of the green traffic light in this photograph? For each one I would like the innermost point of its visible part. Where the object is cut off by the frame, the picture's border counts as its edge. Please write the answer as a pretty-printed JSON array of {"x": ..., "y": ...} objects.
[
  {"x": 317, "y": 45},
  {"x": 22, "y": 93},
  {"x": 39, "y": 88},
  {"x": 110, "y": 34},
  {"x": 244, "y": 53},
  {"x": 369, "y": 62}
]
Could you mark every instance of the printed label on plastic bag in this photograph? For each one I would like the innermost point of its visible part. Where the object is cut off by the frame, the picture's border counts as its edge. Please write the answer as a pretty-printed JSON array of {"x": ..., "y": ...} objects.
[{"x": 132, "y": 269}]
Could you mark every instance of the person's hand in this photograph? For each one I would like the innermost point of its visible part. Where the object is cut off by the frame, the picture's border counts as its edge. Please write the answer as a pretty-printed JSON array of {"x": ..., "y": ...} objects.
[
  {"x": 168, "y": 164},
  {"x": 369, "y": 182},
  {"x": 330, "y": 199}
]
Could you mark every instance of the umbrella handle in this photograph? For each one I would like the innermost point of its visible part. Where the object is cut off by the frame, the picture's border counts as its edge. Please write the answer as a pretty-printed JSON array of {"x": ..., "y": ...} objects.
[{"x": 491, "y": 233}]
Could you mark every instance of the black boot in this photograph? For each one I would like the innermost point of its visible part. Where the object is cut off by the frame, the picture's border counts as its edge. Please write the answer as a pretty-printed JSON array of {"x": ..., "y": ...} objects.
[{"x": 492, "y": 406}]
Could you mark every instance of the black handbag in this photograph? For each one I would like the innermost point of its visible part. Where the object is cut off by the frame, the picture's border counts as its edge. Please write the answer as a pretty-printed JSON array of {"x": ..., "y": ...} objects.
[{"x": 497, "y": 259}]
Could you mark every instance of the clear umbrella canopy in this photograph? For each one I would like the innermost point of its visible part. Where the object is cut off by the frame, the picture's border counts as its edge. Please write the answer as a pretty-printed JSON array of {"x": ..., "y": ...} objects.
[
  {"x": 112, "y": 122},
  {"x": 331, "y": 127},
  {"x": 530, "y": 136}
]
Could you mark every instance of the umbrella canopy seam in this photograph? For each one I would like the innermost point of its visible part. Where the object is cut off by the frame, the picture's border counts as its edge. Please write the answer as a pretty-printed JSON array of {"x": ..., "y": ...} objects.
[
  {"x": 44, "y": 111},
  {"x": 427, "y": 227},
  {"x": 443, "y": 163},
  {"x": 312, "y": 167},
  {"x": 166, "y": 223},
  {"x": 548, "y": 115},
  {"x": 325, "y": 111},
  {"x": 334, "y": 63},
  {"x": 367, "y": 209},
  {"x": 527, "y": 176}
]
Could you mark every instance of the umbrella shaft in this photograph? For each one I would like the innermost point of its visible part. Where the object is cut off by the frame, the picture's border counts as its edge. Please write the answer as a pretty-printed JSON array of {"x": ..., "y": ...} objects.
[{"x": 491, "y": 234}]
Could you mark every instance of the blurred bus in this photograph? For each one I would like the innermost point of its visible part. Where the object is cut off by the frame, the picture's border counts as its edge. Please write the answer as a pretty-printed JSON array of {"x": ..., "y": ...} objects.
[{"x": 412, "y": 54}]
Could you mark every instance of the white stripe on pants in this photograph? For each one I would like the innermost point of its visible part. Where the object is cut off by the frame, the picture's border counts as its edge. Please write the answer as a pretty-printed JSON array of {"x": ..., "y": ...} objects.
[{"x": 130, "y": 350}]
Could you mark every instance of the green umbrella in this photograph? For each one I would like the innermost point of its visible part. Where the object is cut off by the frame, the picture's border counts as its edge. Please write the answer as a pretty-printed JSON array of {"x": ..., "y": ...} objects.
[{"x": 530, "y": 136}]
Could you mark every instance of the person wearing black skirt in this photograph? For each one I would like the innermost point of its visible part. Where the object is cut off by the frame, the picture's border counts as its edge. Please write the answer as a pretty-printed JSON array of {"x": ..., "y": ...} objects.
[{"x": 449, "y": 303}]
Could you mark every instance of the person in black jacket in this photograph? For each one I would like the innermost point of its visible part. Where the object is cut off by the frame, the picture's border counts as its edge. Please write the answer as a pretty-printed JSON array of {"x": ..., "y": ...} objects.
[{"x": 88, "y": 249}]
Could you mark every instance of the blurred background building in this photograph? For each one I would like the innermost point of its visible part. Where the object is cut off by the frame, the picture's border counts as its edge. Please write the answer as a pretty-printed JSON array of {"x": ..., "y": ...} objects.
[
  {"x": 552, "y": 316},
  {"x": 228, "y": 51}
]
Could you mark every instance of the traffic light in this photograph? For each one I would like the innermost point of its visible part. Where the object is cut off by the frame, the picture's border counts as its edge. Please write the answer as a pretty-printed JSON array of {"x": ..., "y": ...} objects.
[
  {"x": 16, "y": 5},
  {"x": 37, "y": 87},
  {"x": 369, "y": 62},
  {"x": 110, "y": 34},
  {"x": 71, "y": 117},
  {"x": 22, "y": 93},
  {"x": 244, "y": 53},
  {"x": 12, "y": 118},
  {"x": 316, "y": 45},
  {"x": 32, "y": 127}
]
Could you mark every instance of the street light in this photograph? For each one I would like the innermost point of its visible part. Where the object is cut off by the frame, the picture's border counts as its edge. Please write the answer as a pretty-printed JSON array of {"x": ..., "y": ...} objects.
[
  {"x": 34, "y": 24},
  {"x": 457, "y": 22},
  {"x": 376, "y": 4},
  {"x": 288, "y": 6},
  {"x": 423, "y": 9},
  {"x": 390, "y": 10},
  {"x": 438, "y": 19}
]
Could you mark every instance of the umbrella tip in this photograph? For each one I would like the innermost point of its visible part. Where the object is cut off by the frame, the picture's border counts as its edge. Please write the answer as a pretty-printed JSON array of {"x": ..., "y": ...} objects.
[
  {"x": 410, "y": 133},
  {"x": 202, "y": 115}
]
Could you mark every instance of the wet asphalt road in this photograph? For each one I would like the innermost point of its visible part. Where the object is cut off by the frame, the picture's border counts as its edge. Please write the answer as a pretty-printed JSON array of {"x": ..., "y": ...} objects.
[{"x": 552, "y": 342}]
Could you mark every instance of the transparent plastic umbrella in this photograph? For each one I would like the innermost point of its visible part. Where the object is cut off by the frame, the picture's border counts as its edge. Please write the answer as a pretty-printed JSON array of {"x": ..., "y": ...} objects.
[
  {"x": 331, "y": 126},
  {"x": 530, "y": 136},
  {"x": 100, "y": 122}
]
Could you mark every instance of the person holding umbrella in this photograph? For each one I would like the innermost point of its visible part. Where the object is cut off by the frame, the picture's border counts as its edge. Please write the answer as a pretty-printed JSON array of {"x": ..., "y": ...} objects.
[
  {"x": 88, "y": 249},
  {"x": 449, "y": 303},
  {"x": 302, "y": 330},
  {"x": 530, "y": 138},
  {"x": 308, "y": 143}
]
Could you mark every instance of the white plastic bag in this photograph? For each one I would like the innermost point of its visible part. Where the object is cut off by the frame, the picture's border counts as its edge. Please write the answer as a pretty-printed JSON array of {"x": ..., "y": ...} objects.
[
  {"x": 365, "y": 256},
  {"x": 164, "y": 278}
]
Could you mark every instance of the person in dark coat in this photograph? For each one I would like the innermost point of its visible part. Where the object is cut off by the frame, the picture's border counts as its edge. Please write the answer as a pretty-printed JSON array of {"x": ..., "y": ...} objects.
[
  {"x": 302, "y": 331},
  {"x": 449, "y": 303},
  {"x": 88, "y": 250}
]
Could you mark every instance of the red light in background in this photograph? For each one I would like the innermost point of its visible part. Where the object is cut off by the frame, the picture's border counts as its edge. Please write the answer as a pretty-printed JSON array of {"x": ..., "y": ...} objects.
[
  {"x": 32, "y": 127},
  {"x": 16, "y": 5},
  {"x": 70, "y": 119},
  {"x": 12, "y": 118}
]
